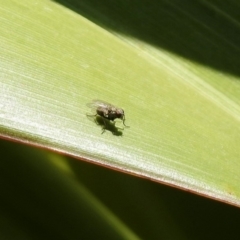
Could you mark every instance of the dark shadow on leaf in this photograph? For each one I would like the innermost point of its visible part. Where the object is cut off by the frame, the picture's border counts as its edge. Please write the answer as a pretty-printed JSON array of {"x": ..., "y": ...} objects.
[
  {"x": 106, "y": 125},
  {"x": 202, "y": 31}
]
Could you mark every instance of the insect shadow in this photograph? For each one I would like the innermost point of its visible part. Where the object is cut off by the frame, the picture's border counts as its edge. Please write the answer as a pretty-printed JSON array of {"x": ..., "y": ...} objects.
[
  {"x": 105, "y": 114},
  {"x": 106, "y": 125}
]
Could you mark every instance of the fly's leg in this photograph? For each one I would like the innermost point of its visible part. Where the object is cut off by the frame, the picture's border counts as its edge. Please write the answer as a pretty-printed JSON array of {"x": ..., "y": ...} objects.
[
  {"x": 91, "y": 115},
  {"x": 104, "y": 127},
  {"x": 95, "y": 117}
]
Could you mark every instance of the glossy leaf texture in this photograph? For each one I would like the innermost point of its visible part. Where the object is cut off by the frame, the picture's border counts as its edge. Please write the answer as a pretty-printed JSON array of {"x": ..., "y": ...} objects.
[{"x": 172, "y": 67}]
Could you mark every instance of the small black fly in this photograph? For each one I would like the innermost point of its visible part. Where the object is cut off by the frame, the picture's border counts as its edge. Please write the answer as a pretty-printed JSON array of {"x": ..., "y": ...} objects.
[{"x": 107, "y": 111}]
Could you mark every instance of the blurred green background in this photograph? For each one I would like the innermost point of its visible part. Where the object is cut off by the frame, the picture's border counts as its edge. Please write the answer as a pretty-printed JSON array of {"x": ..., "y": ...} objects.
[{"x": 48, "y": 196}]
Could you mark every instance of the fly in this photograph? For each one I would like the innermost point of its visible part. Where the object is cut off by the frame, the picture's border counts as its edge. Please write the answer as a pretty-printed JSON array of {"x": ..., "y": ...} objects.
[{"x": 107, "y": 111}]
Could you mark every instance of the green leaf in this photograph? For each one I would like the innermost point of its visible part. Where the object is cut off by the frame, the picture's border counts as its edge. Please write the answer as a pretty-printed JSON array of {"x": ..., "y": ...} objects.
[{"x": 173, "y": 69}]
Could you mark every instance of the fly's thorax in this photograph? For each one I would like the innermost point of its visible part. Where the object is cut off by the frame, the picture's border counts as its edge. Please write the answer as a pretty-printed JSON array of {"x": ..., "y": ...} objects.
[
  {"x": 110, "y": 113},
  {"x": 103, "y": 112},
  {"x": 116, "y": 113}
]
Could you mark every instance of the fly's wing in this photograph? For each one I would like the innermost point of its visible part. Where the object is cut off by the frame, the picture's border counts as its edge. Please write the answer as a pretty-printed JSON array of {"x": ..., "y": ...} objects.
[{"x": 98, "y": 103}]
